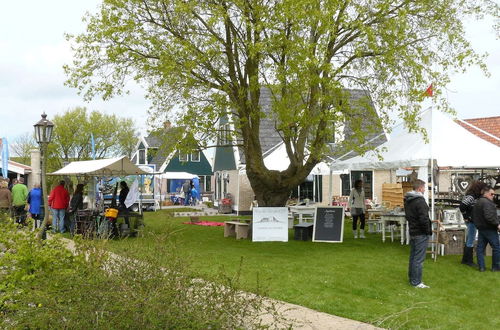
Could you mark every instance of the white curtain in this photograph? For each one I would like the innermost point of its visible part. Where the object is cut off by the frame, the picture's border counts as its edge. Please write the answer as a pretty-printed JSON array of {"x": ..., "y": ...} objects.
[{"x": 133, "y": 194}]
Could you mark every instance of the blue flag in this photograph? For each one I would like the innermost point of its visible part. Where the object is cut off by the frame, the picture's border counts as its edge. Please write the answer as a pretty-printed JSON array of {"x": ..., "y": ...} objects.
[
  {"x": 93, "y": 145},
  {"x": 5, "y": 157}
]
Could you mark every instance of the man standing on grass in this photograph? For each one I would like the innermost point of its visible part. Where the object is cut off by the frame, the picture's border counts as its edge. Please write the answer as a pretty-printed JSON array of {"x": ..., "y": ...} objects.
[
  {"x": 186, "y": 188},
  {"x": 484, "y": 215},
  {"x": 419, "y": 224},
  {"x": 19, "y": 198}
]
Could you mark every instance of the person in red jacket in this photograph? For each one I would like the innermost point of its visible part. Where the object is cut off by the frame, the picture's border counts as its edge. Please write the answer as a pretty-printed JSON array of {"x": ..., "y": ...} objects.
[{"x": 58, "y": 202}]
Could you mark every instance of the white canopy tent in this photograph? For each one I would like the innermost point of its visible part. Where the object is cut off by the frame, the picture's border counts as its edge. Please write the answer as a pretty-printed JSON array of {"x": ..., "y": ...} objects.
[
  {"x": 178, "y": 176},
  {"x": 120, "y": 166},
  {"x": 278, "y": 160},
  {"x": 449, "y": 145}
]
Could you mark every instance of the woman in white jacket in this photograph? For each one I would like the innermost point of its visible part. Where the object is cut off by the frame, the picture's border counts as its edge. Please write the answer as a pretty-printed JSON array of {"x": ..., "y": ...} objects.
[{"x": 357, "y": 206}]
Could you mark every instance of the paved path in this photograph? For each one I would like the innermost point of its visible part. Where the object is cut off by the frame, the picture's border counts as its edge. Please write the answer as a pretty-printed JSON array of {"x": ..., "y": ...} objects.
[{"x": 304, "y": 318}]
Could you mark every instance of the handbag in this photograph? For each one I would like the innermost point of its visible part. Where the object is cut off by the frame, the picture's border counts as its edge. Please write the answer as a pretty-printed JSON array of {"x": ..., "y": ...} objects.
[{"x": 356, "y": 211}]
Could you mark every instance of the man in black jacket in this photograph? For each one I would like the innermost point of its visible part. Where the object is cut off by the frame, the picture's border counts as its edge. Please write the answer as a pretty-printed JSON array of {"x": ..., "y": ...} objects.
[
  {"x": 419, "y": 224},
  {"x": 484, "y": 215}
]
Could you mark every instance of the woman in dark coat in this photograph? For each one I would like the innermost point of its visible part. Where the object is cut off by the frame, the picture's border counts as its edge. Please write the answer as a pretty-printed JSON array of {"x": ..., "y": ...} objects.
[
  {"x": 123, "y": 195},
  {"x": 75, "y": 204},
  {"x": 466, "y": 206}
]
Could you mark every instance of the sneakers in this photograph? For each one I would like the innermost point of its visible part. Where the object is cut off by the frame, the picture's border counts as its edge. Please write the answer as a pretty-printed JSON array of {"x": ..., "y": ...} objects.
[
  {"x": 362, "y": 233},
  {"x": 422, "y": 286}
]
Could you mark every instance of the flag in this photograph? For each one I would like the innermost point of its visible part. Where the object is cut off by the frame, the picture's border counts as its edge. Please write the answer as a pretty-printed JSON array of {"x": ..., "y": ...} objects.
[
  {"x": 429, "y": 91},
  {"x": 92, "y": 144},
  {"x": 5, "y": 158}
]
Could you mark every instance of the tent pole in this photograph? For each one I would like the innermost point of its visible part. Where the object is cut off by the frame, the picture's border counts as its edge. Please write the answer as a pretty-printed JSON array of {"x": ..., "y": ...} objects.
[
  {"x": 140, "y": 194},
  {"x": 238, "y": 194},
  {"x": 330, "y": 188}
]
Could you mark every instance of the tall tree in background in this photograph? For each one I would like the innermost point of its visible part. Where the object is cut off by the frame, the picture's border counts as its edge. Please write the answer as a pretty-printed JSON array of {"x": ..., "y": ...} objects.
[
  {"x": 22, "y": 146},
  {"x": 113, "y": 136},
  {"x": 211, "y": 58}
]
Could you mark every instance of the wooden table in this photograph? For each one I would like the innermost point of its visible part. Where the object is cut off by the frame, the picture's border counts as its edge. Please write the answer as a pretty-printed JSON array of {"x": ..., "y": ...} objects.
[
  {"x": 398, "y": 218},
  {"x": 303, "y": 210},
  {"x": 236, "y": 229}
]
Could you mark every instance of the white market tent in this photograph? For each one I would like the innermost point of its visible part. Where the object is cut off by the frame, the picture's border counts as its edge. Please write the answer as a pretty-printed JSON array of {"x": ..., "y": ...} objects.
[
  {"x": 278, "y": 160},
  {"x": 450, "y": 145},
  {"x": 178, "y": 176},
  {"x": 120, "y": 166}
]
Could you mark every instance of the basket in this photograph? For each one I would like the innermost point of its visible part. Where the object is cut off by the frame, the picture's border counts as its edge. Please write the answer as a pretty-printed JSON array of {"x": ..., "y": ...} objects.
[{"x": 111, "y": 213}]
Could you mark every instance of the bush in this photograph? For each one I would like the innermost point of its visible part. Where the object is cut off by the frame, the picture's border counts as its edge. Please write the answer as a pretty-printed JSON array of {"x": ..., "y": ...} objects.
[{"x": 44, "y": 285}]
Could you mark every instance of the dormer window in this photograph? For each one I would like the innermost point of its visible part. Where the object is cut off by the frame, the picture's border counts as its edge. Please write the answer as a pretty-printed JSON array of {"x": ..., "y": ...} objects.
[
  {"x": 195, "y": 157},
  {"x": 225, "y": 135},
  {"x": 183, "y": 157},
  {"x": 142, "y": 157}
]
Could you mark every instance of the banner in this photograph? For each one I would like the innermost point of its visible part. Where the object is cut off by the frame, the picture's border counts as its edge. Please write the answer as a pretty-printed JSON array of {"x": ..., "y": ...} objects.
[
  {"x": 5, "y": 158},
  {"x": 270, "y": 224}
]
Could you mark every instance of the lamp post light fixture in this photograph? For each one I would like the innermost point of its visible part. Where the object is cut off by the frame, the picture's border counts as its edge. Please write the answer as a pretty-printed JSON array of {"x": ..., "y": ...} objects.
[{"x": 43, "y": 135}]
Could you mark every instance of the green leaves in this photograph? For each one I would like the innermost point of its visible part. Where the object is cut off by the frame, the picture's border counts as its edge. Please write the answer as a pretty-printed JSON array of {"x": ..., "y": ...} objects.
[
  {"x": 212, "y": 57},
  {"x": 113, "y": 136}
]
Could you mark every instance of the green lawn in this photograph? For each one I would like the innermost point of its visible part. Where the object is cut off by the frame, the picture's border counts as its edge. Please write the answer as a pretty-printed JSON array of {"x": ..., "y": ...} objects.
[{"x": 365, "y": 280}]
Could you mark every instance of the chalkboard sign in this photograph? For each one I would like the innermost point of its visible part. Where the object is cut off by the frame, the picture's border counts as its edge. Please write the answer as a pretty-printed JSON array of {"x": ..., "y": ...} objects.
[{"x": 329, "y": 224}]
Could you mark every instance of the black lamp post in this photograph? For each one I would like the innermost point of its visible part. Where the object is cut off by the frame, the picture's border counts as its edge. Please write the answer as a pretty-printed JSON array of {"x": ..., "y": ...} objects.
[{"x": 43, "y": 135}]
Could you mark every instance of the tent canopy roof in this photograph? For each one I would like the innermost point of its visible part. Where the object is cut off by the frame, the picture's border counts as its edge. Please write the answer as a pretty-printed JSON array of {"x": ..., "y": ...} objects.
[
  {"x": 178, "y": 176},
  {"x": 277, "y": 160},
  {"x": 102, "y": 167},
  {"x": 450, "y": 145}
]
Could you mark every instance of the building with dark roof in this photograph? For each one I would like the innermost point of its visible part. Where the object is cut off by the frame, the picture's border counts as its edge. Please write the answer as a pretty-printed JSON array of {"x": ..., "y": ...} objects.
[
  {"x": 158, "y": 151},
  {"x": 229, "y": 160}
]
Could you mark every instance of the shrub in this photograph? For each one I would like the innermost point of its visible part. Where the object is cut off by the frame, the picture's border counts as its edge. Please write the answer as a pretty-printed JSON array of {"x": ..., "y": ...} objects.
[{"x": 44, "y": 285}]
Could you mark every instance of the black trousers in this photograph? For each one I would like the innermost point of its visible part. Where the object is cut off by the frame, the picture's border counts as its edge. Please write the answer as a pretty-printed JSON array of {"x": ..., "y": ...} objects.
[{"x": 355, "y": 221}]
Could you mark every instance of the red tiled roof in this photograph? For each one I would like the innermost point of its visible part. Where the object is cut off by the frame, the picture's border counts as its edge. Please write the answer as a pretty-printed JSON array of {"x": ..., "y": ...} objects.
[{"x": 487, "y": 124}]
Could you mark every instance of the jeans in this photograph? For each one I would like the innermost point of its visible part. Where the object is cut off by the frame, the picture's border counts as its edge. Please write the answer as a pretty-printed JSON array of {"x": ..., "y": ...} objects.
[
  {"x": 355, "y": 221},
  {"x": 187, "y": 198},
  {"x": 471, "y": 234},
  {"x": 418, "y": 247},
  {"x": 58, "y": 220},
  {"x": 488, "y": 236}
]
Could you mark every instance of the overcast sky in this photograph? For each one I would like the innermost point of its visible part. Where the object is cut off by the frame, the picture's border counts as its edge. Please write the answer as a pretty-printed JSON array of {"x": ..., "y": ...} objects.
[{"x": 33, "y": 50}]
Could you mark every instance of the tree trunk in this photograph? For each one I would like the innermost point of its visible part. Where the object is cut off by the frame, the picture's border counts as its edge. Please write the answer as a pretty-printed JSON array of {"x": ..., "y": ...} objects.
[{"x": 273, "y": 188}]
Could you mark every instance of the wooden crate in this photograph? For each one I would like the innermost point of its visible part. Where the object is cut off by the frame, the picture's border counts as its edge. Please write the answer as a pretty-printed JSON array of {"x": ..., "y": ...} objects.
[
  {"x": 392, "y": 195},
  {"x": 453, "y": 241},
  {"x": 407, "y": 186}
]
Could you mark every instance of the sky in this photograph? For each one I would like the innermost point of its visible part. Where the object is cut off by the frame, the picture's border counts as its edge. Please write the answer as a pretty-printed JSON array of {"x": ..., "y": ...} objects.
[{"x": 33, "y": 50}]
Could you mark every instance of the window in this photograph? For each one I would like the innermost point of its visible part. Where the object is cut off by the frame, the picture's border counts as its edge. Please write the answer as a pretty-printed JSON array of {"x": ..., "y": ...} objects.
[
  {"x": 225, "y": 135},
  {"x": 335, "y": 132},
  {"x": 142, "y": 156},
  {"x": 195, "y": 156},
  {"x": 366, "y": 176},
  {"x": 183, "y": 157}
]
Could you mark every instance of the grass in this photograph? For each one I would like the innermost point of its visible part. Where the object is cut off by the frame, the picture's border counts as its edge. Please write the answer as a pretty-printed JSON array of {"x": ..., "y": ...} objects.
[{"x": 361, "y": 279}]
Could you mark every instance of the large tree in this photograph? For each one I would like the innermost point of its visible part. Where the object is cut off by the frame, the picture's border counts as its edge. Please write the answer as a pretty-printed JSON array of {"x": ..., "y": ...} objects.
[
  {"x": 210, "y": 58},
  {"x": 73, "y": 131}
]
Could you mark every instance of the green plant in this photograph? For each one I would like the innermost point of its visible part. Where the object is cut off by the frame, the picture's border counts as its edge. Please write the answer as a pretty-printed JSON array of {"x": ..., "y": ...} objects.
[{"x": 44, "y": 285}]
